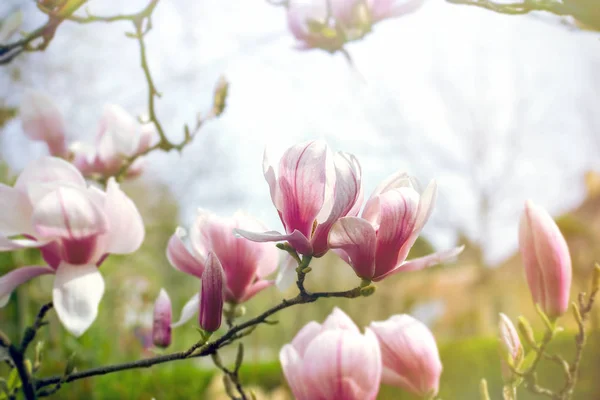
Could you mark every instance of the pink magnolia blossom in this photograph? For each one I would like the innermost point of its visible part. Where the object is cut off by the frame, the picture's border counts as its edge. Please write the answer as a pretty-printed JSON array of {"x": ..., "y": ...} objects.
[
  {"x": 75, "y": 227},
  {"x": 212, "y": 294},
  {"x": 43, "y": 121},
  {"x": 332, "y": 361},
  {"x": 161, "y": 323},
  {"x": 383, "y": 9},
  {"x": 119, "y": 137},
  {"x": 314, "y": 26},
  {"x": 546, "y": 259},
  {"x": 409, "y": 354},
  {"x": 377, "y": 244},
  {"x": 312, "y": 191},
  {"x": 245, "y": 263}
]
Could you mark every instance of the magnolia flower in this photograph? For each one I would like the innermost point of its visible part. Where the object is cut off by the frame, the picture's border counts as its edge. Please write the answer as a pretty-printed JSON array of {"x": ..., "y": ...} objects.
[
  {"x": 313, "y": 190},
  {"x": 546, "y": 259},
  {"x": 377, "y": 244},
  {"x": 332, "y": 361},
  {"x": 119, "y": 137},
  {"x": 42, "y": 121},
  {"x": 245, "y": 263},
  {"x": 75, "y": 227},
  {"x": 211, "y": 294},
  {"x": 410, "y": 355},
  {"x": 316, "y": 26},
  {"x": 161, "y": 323}
]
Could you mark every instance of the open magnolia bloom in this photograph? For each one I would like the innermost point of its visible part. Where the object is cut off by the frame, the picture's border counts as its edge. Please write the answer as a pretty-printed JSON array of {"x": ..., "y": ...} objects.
[
  {"x": 333, "y": 361},
  {"x": 377, "y": 244},
  {"x": 75, "y": 227},
  {"x": 313, "y": 190},
  {"x": 244, "y": 263},
  {"x": 119, "y": 137}
]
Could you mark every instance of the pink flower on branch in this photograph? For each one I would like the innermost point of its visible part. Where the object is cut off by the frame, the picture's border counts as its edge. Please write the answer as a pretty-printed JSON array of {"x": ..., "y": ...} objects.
[
  {"x": 75, "y": 227},
  {"x": 546, "y": 260},
  {"x": 332, "y": 361},
  {"x": 313, "y": 189},
  {"x": 119, "y": 138},
  {"x": 212, "y": 294},
  {"x": 245, "y": 263},
  {"x": 42, "y": 121},
  {"x": 377, "y": 244},
  {"x": 410, "y": 355}
]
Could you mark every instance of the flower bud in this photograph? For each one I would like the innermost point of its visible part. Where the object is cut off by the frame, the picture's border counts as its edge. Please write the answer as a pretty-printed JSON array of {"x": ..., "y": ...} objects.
[
  {"x": 161, "y": 326},
  {"x": 212, "y": 294},
  {"x": 511, "y": 349},
  {"x": 409, "y": 354},
  {"x": 546, "y": 260}
]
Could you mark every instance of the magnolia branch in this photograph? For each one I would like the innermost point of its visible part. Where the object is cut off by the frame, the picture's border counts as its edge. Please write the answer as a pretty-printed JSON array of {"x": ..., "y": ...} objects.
[
  {"x": 518, "y": 8},
  {"x": 202, "y": 349}
]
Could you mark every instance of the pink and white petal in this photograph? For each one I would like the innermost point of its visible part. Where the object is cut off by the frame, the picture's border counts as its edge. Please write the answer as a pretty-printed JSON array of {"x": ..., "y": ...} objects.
[
  {"x": 426, "y": 203},
  {"x": 48, "y": 170},
  {"x": 76, "y": 296},
  {"x": 180, "y": 257},
  {"x": 200, "y": 238},
  {"x": 268, "y": 260},
  {"x": 357, "y": 238},
  {"x": 188, "y": 311},
  {"x": 347, "y": 191},
  {"x": 430, "y": 260},
  {"x": 15, "y": 244},
  {"x": 271, "y": 178},
  {"x": 69, "y": 213},
  {"x": 291, "y": 363},
  {"x": 296, "y": 239},
  {"x": 339, "y": 320},
  {"x": 126, "y": 225},
  {"x": 120, "y": 137},
  {"x": 15, "y": 218},
  {"x": 287, "y": 273},
  {"x": 389, "y": 377},
  {"x": 10, "y": 281},
  {"x": 533, "y": 270},
  {"x": 255, "y": 288},
  {"x": 302, "y": 182},
  {"x": 306, "y": 335}
]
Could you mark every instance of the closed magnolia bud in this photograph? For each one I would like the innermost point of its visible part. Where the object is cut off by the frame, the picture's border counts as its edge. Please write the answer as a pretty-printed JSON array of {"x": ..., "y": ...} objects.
[
  {"x": 410, "y": 355},
  {"x": 161, "y": 326},
  {"x": 212, "y": 294},
  {"x": 510, "y": 347},
  {"x": 546, "y": 260}
]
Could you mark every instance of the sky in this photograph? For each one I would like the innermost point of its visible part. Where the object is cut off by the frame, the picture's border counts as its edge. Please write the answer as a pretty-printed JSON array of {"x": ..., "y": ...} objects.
[{"x": 497, "y": 109}]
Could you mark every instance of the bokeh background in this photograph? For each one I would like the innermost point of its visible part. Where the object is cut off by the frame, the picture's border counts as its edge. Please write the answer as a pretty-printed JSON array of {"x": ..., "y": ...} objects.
[{"x": 497, "y": 108}]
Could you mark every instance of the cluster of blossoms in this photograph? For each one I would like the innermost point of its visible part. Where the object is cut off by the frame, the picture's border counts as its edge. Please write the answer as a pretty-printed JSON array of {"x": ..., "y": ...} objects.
[
  {"x": 330, "y": 24},
  {"x": 334, "y": 360},
  {"x": 120, "y": 137}
]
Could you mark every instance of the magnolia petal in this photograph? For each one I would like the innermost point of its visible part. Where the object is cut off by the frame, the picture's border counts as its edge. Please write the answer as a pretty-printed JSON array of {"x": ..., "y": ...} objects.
[
  {"x": 180, "y": 257},
  {"x": 47, "y": 170},
  {"x": 302, "y": 183},
  {"x": 305, "y": 336},
  {"x": 291, "y": 363},
  {"x": 126, "y": 225},
  {"x": 426, "y": 203},
  {"x": 76, "y": 296},
  {"x": 118, "y": 136},
  {"x": 296, "y": 239},
  {"x": 15, "y": 278},
  {"x": 14, "y": 244},
  {"x": 43, "y": 121},
  {"x": 188, "y": 311},
  {"x": 346, "y": 195},
  {"x": 287, "y": 273},
  {"x": 212, "y": 294},
  {"x": 357, "y": 238},
  {"x": 68, "y": 213},
  {"x": 15, "y": 218},
  {"x": 339, "y": 320},
  {"x": 271, "y": 178},
  {"x": 424, "y": 262},
  {"x": 254, "y": 289}
]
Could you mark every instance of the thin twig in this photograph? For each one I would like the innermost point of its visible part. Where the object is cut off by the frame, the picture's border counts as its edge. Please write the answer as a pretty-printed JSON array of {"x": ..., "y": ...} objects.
[{"x": 518, "y": 8}]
